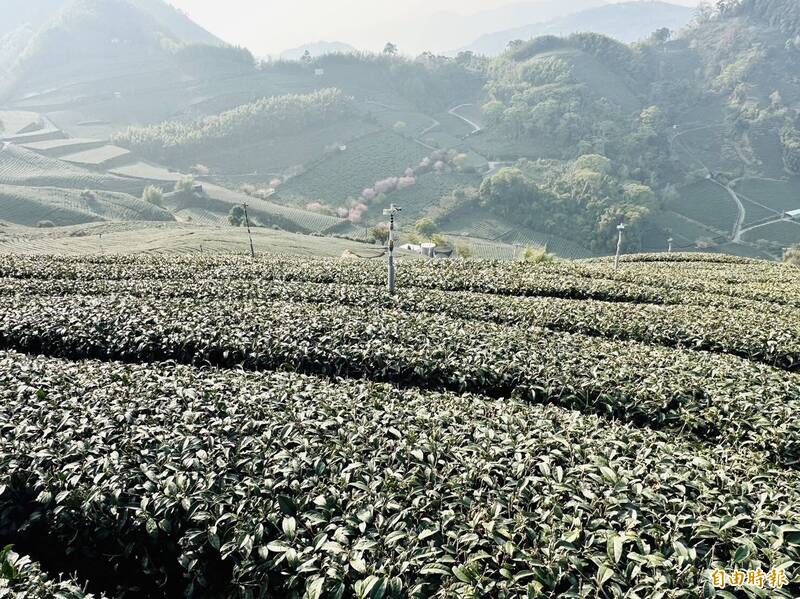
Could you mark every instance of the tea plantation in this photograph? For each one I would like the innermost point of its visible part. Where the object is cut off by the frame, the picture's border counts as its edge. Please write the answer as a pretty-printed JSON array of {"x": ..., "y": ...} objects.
[{"x": 213, "y": 426}]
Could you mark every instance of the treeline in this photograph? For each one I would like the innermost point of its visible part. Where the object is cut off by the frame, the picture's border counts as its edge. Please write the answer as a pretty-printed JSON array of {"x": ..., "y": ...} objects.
[
  {"x": 268, "y": 117},
  {"x": 430, "y": 82},
  {"x": 781, "y": 14}
]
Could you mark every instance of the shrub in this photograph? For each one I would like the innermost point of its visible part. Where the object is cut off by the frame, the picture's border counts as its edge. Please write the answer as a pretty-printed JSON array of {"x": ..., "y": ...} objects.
[
  {"x": 535, "y": 255},
  {"x": 45, "y": 224},
  {"x": 184, "y": 185},
  {"x": 792, "y": 256},
  {"x": 153, "y": 195},
  {"x": 425, "y": 227},
  {"x": 464, "y": 251}
]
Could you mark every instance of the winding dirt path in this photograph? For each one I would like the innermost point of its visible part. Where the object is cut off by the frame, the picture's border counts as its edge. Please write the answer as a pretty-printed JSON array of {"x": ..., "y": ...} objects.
[
  {"x": 736, "y": 233},
  {"x": 475, "y": 126}
]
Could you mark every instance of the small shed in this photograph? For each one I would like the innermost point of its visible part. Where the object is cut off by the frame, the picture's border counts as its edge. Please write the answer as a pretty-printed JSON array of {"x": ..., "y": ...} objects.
[
  {"x": 793, "y": 214},
  {"x": 319, "y": 72}
]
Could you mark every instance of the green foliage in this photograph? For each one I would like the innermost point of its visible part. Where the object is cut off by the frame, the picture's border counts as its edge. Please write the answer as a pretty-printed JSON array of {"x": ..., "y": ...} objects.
[
  {"x": 583, "y": 200},
  {"x": 184, "y": 185},
  {"x": 268, "y": 117},
  {"x": 380, "y": 233},
  {"x": 464, "y": 251},
  {"x": 535, "y": 255},
  {"x": 236, "y": 216},
  {"x": 530, "y": 389},
  {"x": 425, "y": 227},
  {"x": 790, "y": 139},
  {"x": 20, "y": 577},
  {"x": 153, "y": 195},
  {"x": 509, "y": 193},
  {"x": 792, "y": 256}
]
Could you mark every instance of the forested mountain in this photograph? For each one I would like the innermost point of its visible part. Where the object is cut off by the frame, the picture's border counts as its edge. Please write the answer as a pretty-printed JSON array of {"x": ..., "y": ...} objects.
[
  {"x": 625, "y": 22},
  {"x": 48, "y": 36}
]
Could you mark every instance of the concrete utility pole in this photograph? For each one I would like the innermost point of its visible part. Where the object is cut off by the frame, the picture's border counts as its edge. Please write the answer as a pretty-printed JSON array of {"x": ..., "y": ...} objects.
[
  {"x": 669, "y": 241},
  {"x": 390, "y": 212},
  {"x": 247, "y": 222},
  {"x": 620, "y": 229}
]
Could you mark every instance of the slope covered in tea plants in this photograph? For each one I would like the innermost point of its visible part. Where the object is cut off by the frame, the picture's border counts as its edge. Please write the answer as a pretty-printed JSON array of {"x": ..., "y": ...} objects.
[{"x": 226, "y": 427}]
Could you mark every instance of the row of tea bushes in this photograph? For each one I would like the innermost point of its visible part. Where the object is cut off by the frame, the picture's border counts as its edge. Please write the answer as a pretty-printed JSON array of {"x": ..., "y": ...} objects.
[
  {"x": 713, "y": 397},
  {"x": 637, "y": 284},
  {"x": 22, "y": 578},
  {"x": 771, "y": 337},
  {"x": 222, "y": 483}
]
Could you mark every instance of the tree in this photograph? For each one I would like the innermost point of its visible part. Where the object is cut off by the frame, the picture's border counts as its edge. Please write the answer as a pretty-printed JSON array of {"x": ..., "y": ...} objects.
[
  {"x": 508, "y": 192},
  {"x": 45, "y": 224},
  {"x": 153, "y": 195},
  {"x": 425, "y": 227},
  {"x": 593, "y": 162},
  {"x": 400, "y": 126},
  {"x": 380, "y": 233},
  {"x": 661, "y": 35},
  {"x": 236, "y": 215},
  {"x": 184, "y": 185},
  {"x": 390, "y": 49},
  {"x": 493, "y": 111},
  {"x": 439, "y": 240},
  {"x": 306, "y": 58}
]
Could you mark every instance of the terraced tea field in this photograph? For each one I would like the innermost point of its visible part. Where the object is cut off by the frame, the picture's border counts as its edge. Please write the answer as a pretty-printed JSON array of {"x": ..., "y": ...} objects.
[
  {"x": 29, "y": 206},
  {"x": 219, "y": 427},
  {"x": 22, "y": 167}
]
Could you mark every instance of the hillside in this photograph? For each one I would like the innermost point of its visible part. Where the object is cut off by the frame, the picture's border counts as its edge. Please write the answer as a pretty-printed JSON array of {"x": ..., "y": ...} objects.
[
  {"x": 690, "y": 136},
  {"x": 626, "y": 22},
  {"x": 642, "y": 415}
]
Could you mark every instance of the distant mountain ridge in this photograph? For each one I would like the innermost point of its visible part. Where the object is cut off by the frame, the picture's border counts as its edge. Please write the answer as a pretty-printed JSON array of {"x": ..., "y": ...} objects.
[
  {"x": 316, "y": 49},
  {"x": 627, "y": 22},
  {"x": 444, "y": 31},
  {"x": 38, "y": 14}
]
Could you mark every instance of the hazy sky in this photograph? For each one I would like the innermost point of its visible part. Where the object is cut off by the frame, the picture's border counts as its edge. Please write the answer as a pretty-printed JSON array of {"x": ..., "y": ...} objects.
[{"x": 269, "y": 26}]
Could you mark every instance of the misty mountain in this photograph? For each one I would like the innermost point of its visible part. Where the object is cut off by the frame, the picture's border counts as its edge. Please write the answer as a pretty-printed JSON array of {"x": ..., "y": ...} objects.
[
  {"x": 316, "y": 49},
  {"x": 444, "y": 31},
  {"x": 35, "y": 14},
  {"x": 53, "y": 39},
  {"x": 626, "y": 22}
]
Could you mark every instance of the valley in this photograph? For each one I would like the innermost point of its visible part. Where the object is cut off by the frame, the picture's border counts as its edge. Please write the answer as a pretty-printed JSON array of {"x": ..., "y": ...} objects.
[{"x": 424, "y": 134}]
